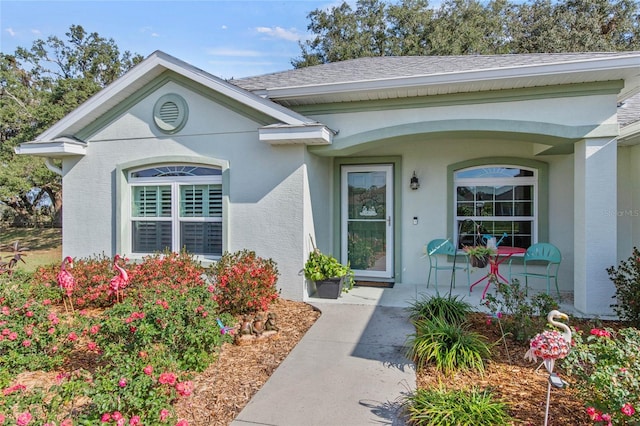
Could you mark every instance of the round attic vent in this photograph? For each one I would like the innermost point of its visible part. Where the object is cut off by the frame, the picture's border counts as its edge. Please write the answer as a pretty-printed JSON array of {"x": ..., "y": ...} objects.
[{"x": 170, "y": 113}]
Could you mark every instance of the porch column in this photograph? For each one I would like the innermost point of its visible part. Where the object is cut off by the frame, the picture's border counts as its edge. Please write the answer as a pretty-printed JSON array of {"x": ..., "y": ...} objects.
[{"x": 595, "y": 219}]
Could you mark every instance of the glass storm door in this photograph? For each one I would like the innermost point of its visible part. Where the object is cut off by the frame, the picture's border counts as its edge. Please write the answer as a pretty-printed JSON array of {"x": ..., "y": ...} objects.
[{"x": 367, "y": 219}]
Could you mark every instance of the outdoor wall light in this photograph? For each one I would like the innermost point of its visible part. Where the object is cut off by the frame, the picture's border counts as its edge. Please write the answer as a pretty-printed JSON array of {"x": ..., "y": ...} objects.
[{"x": 415, "y": 183}]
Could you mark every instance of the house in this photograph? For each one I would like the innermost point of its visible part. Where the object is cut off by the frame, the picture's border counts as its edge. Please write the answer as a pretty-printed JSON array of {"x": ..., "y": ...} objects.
[{"x": 371, "y": 158}]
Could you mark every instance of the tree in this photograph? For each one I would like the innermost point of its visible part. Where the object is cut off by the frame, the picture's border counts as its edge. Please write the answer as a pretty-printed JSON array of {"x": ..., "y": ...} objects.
[
  {"x": 39, "y": 87},
  {"x": 466, "y": 27},
  {"x": 576, "y": 26},
  {"x": 462, "y": 27},
  {"x": 409, "y": 26}
]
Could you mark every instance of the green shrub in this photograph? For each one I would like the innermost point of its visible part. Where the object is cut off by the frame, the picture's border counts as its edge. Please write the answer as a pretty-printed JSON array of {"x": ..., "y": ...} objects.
[
  {"x": 604, "y": 367},
  {"x": 626, "y": 278},
  {"x": 439, "y": 407},
  {"x": 523, "y": 316},
  {"x": 244, "y": 282},
  {"x": 179, "y": 327},
  {"x": 451, "y": 309},
  {"x": 449, "y": 347}
]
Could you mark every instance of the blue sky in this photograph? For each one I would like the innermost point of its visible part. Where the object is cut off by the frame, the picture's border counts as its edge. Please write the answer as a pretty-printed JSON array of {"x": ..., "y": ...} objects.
[{"x": 225, "y": 38}]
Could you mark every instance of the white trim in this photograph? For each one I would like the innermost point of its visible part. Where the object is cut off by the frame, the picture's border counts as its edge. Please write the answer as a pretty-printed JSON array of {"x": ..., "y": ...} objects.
[
  {"x": 310, "y": 134},
  {"x": 389, "y": 220},
  {"x": 175, "y": 183},
  {"x": 498, "y": 181},
  {"x": 63, "y": 147}
]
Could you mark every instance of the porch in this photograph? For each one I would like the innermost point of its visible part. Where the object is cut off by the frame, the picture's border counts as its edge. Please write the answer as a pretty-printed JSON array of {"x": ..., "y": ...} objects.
[{"x": 403, "y": 295}]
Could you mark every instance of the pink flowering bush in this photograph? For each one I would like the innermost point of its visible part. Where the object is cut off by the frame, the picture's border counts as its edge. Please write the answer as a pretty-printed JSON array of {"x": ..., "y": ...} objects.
[
  {"x": 177, "y": 326},
  {"x": 20, "y": 406},
  {"x": 144, "y": 349},
  {"x": 244, "y": 282},
  {"x": 29, "y": 330},
  {"x": 168, "y": 271},
  {"x": 605, "y": 367},
  {"x": 92, "y": 276}
]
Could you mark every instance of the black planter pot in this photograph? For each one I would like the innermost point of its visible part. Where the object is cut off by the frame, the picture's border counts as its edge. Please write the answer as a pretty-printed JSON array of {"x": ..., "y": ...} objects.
[
  {"x": 479, "y": 261},
  {"x": 329, "y": 288}
]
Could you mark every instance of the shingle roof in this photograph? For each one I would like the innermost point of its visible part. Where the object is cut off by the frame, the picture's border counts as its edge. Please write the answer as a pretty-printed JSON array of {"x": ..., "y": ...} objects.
[
  {"x": 372, "y": 68},
  {"x": 629, "y": 111},
  {"x": 398, "y": 67}
]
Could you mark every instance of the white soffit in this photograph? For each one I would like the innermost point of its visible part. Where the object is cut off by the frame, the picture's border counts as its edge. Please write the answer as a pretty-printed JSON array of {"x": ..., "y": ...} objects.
[
  {"x": 61, "y": 147},
  {"x": 310, "y": 134}
]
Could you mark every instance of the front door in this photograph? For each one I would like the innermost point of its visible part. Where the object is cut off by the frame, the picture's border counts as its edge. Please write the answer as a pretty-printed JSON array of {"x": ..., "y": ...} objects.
[{"x": 367, "y": 219}]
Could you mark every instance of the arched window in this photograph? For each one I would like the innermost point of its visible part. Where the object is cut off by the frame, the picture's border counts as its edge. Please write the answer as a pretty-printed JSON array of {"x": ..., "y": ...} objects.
[
  {"x": 176, "y": 207},
  {"x": 496, "y": 200}
]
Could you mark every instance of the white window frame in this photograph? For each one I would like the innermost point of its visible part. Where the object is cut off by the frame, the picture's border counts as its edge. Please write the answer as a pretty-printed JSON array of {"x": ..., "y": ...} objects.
[
  {"x": 174, "y": 182},
  {"x": 497, "y": 181}
]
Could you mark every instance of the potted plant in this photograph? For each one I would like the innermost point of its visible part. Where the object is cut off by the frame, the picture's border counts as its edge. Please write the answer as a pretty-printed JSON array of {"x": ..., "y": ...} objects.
[
  {"x": 329, "y": 275},
  {"x": 479, "y": 255}
]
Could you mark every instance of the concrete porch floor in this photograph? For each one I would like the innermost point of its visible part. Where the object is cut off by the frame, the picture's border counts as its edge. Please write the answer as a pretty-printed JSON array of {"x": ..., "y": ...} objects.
[{"x": 403, "y": 295}]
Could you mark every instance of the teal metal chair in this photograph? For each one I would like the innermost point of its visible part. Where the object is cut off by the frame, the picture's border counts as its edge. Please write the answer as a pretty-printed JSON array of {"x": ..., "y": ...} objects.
[
  {"x": 442, "y": 248},
  {"x": 539, "y": 255}
]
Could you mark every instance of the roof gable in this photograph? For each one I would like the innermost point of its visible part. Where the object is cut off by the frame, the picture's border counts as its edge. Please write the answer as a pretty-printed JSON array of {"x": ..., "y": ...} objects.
[
  {"x": 54, "y": 142},
  {"x": 144, "y": 73}
]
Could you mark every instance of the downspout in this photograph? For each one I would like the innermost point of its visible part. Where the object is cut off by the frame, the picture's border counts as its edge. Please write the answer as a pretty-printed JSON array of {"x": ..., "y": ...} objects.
[{"x": 48, "y": 161}]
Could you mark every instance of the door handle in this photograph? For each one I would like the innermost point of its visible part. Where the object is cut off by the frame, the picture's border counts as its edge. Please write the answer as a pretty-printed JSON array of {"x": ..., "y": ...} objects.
[{"x": 388, "y": 220}]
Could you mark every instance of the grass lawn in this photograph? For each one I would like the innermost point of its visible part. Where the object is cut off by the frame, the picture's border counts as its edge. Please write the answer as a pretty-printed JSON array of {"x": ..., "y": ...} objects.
[{"x": 45, "y": 246}]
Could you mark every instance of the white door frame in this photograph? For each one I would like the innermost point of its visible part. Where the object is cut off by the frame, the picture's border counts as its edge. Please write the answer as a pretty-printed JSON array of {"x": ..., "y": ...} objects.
[{"x": 387, "y": 264}]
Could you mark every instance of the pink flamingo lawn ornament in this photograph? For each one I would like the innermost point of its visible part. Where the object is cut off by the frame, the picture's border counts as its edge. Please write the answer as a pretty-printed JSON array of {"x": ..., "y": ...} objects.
[
  {"x": 66, "y": 282},
  {"x": 551, "y": 345},
  {"x": 121, "y": 280}
]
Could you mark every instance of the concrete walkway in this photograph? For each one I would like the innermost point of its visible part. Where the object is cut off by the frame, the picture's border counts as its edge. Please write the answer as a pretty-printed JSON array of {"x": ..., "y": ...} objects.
[{"x": 349, "y": 369}]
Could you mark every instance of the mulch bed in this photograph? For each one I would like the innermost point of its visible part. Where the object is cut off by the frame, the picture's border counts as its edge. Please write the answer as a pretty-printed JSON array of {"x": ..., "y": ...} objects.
[
  {"x": 226, "y": 387},
  {"x": 222, "y": 391},
  {"x": 517, "y": 381}
]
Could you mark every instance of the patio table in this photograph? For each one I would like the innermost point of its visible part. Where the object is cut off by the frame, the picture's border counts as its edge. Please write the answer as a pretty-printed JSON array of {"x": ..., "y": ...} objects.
[{"x": 502, "y": 253}]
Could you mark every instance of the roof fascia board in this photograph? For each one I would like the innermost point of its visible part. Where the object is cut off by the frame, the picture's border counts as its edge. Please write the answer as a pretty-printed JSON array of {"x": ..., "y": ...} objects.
[
  {"x": 629, "y": 62},
  {"x": 468, "y": 98},
  {"x": 150, "y": 68},
  {"x": 630, "y": 134}
]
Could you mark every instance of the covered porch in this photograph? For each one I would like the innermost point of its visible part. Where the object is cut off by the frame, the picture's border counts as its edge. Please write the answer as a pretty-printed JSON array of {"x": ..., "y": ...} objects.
[{"x": 403, "y": 295}]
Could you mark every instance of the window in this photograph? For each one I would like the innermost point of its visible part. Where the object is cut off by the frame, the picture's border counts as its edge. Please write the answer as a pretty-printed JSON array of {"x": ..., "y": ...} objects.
[
  {"x": 176, "y": 207},
  {"x": 500, "y": 201}
]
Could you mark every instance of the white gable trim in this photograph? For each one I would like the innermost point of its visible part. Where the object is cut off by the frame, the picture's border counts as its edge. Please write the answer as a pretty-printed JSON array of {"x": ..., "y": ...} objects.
[{"x": 143, "y": 73}]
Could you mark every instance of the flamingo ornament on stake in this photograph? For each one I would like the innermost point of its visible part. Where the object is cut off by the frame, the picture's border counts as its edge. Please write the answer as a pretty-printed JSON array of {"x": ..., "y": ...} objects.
[
  {"x": 551, "y": 345},
  {"x": 121, "y": 280},
  {"x": 66, "y": 282}
]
